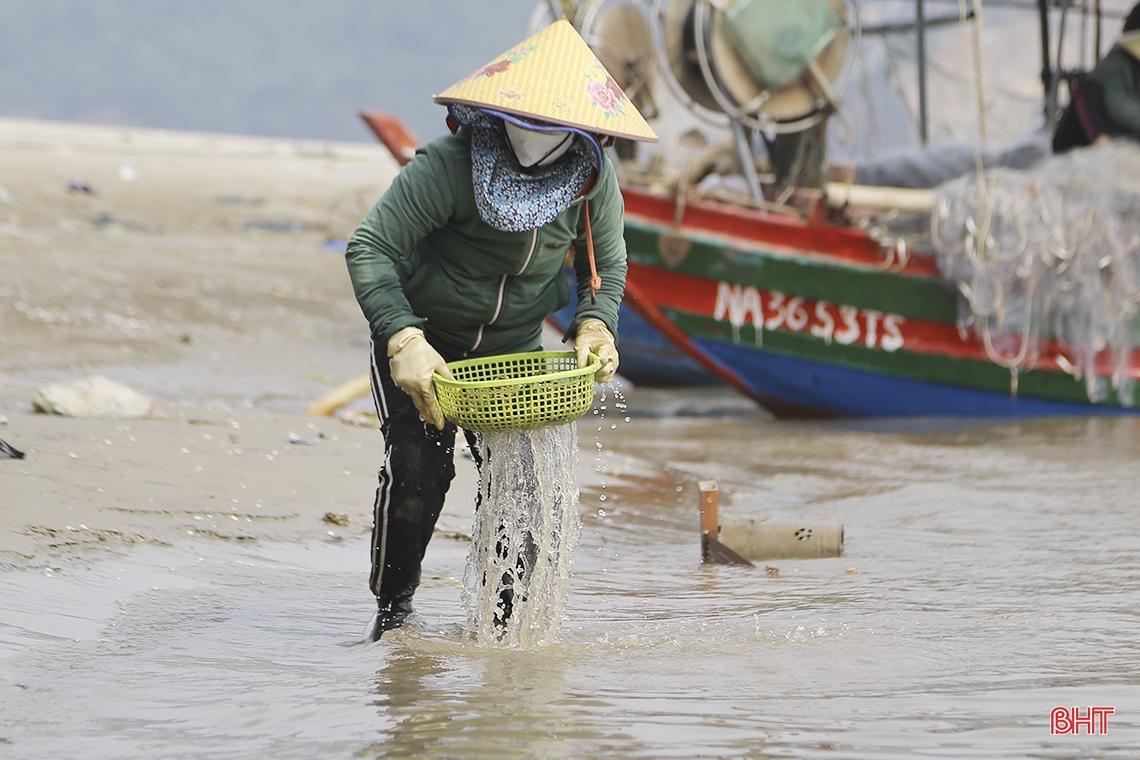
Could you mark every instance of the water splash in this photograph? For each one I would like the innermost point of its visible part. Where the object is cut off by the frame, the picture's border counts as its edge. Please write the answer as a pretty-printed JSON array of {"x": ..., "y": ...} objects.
[
  {"x": 599, "y": 411},
  {"x": 526, "y": 528}
]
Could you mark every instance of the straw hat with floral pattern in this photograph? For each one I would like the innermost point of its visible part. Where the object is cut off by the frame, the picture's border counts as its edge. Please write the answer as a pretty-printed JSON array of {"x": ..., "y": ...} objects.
[{"x": 552, "y": 77}]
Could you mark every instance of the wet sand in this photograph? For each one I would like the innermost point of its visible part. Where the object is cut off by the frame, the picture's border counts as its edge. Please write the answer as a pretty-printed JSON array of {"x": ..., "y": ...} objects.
[{"x": 197, "y": 270}]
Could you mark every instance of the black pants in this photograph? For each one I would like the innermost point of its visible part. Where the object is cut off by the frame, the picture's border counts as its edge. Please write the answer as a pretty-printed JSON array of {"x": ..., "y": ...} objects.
[{"x": 418, "y": 467}]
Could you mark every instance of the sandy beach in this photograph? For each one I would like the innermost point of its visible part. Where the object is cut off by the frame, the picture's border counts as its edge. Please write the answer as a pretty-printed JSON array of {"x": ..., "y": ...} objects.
[{"x": 204, "y": 271}]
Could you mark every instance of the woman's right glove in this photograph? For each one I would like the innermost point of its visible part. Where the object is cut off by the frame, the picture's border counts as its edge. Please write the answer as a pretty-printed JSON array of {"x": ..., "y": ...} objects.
[
  {"x": 413, "y": 361},
  {"x": 593, "y": 337}
]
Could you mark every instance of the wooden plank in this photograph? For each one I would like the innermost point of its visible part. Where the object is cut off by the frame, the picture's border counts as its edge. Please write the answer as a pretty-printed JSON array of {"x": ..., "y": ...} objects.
[
  {"x": 710, "y": 515},
  {"x": 343, "y": 394},
  {"x": 391, "y": 131}
]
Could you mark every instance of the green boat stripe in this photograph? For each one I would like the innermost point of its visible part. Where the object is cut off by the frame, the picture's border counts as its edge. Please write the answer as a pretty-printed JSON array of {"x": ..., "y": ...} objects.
[{"x": 818, "y": 280}]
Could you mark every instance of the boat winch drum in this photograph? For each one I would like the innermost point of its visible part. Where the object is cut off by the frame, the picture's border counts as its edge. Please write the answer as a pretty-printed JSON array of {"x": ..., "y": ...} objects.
[{"x": 778, "y": 39}]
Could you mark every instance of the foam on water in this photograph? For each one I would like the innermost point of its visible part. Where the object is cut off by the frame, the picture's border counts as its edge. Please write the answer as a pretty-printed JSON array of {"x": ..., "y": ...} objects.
[{"x": 526, "y": 528}]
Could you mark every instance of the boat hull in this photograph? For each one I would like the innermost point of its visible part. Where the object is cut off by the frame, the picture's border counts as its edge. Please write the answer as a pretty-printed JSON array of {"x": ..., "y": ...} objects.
[
  {"x": 808, "y": 388},
  {"x": 817, "y": 322},
  {"x": 647, "y": 357},
  {"x": 807, "y": 318}
]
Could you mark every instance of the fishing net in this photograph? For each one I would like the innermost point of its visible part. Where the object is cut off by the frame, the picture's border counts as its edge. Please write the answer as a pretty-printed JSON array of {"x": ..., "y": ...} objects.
[
  {"x": 526, "y": 528},
  {"x": 1050, "y": 254}
]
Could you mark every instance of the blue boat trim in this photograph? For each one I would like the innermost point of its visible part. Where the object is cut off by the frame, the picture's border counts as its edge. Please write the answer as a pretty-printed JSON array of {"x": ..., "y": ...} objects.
[{"x": 844, "y": 391}]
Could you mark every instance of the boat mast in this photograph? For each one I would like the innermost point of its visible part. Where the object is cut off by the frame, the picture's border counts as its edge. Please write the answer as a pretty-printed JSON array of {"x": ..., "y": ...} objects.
[
  {"x": 920, "y": 28},
  {"x": 1099, "y": 18},
  {"x": 1047, "y": 80}
]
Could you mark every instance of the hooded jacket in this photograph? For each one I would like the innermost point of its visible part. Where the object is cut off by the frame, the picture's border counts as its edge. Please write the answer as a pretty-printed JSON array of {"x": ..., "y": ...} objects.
[
  {"x": 424, "y": 257},
  {"x": 1118, "y": 74}
]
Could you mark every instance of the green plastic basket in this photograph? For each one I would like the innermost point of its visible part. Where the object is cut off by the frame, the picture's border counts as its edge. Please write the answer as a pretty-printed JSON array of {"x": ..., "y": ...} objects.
[{"x": 517, "y": 391}]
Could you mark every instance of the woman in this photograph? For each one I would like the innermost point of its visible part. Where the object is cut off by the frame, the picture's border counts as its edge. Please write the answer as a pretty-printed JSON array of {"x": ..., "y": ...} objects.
[{"x": 462, "y": 258}]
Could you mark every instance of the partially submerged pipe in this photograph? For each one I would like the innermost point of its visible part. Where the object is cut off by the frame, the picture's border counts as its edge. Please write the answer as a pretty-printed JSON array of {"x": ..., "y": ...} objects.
[
  {"x": 736, "y": 540},
  {"x": 762, "y": 540}
]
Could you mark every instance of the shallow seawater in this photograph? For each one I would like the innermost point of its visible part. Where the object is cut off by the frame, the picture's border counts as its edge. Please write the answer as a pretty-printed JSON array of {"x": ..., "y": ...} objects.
[{"x": 991, "y": 573}]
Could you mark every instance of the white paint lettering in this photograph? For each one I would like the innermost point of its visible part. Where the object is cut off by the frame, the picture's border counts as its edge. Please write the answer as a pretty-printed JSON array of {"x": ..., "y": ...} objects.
[
  {"x": 850, "y": 332},
  {"x": 737, "y": 303},
  {"x": 872, "y": 318},
  {"x": 727, "y": 301},
  {"x": 740, "y": 305},
  {"x": 797, "y": 315},
  {"x": 776, "y": 302},
  {"x": 892, "y": 339},
  {"x": 826, "y": 326},
  {"x": 753, "y": 305}
]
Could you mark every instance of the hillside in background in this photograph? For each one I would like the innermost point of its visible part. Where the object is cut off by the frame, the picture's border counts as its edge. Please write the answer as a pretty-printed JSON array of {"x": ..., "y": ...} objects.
[{"x": 262, "y": 67}]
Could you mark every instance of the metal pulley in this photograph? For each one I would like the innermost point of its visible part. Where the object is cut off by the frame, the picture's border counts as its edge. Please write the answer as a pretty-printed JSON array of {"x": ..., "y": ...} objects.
[
  {"x": 776, "y": 66},
  {"x": 769, "y": 65}
]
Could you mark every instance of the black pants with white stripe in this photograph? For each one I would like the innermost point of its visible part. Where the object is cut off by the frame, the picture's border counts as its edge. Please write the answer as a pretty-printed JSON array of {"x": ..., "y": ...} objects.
[{"x": 416, "y": 473}]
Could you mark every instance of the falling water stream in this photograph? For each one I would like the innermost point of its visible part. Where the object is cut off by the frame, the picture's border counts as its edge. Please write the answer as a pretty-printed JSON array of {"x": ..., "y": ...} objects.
[{"x": 526, "y": 528}]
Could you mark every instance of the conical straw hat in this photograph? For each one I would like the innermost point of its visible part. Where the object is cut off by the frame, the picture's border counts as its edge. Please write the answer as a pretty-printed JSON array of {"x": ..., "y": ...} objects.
[{"x": 553, "y": 77}]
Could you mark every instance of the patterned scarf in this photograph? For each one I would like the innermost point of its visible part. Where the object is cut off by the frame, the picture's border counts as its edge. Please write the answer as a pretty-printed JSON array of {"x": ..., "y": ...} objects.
[{"x": 514, "y": 199}]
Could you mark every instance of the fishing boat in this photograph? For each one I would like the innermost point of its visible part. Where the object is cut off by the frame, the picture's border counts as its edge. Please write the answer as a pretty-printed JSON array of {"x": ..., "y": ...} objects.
[
  {"x": 784, "y": 298},
  {"x": 806, "y": 313},
  {"x": 820, "y": 321}
]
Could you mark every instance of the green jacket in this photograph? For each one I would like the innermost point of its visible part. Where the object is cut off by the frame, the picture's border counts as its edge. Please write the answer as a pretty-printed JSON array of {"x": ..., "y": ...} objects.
[
  {"x": 424, "y": 257},
  {"x": 1116, "y": 74}
]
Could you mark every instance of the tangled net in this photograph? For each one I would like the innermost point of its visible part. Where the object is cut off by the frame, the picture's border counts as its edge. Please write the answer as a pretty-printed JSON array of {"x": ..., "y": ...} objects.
[{"x": 1050, "y": 254}]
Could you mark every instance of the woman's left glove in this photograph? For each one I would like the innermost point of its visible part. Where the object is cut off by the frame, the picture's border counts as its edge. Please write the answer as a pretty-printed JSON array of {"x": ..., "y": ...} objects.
[
  {"x": 413, "y": 361},
  {"x": 595, "y": 338}
]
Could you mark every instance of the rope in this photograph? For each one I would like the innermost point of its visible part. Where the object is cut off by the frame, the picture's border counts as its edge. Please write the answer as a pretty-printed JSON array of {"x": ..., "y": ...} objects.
[
  {"x": 979, "y": 69},
  {"x": 595, "y": 280}
]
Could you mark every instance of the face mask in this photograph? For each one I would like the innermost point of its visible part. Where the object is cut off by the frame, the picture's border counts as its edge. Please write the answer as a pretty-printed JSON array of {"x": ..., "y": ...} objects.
[{"x": 533, "y": 148}]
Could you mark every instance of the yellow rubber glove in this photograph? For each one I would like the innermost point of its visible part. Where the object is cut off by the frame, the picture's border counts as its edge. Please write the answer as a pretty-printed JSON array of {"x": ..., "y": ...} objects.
[
  {"x": 595, "y": 338},
  {"x": 413, "y": 361}
]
